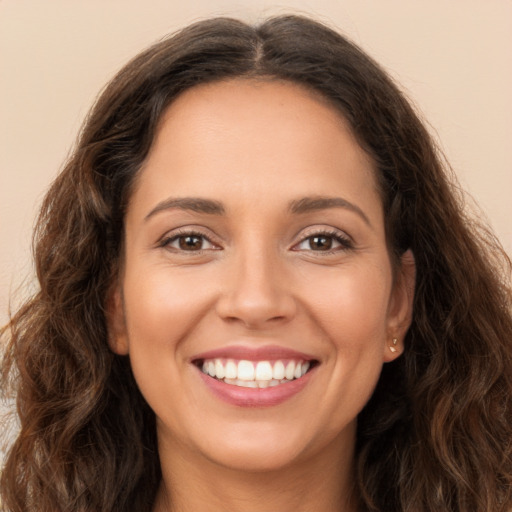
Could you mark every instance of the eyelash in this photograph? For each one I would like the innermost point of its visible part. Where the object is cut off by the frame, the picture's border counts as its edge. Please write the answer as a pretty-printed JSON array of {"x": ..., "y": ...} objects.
[
  {"x": 168, "y": 240},
  {"x": 345, "y": 243}
]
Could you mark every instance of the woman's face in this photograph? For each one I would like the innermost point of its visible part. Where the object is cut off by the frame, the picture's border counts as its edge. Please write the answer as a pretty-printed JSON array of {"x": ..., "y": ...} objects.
[{"x": 255, "y": 251}]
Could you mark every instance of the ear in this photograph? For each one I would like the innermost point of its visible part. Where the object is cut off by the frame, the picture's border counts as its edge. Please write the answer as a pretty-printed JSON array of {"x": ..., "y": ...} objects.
[
  {"x": 401, "y": 306},
  {"x": 116, "y": 323}
]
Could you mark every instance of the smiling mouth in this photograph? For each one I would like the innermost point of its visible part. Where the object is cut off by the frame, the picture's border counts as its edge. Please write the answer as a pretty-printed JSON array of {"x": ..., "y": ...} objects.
[{"x": 255, "y": 374}]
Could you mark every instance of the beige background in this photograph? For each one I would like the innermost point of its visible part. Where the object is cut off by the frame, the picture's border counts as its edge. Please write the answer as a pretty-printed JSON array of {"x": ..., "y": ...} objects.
[{"x": 452, "y": 56}]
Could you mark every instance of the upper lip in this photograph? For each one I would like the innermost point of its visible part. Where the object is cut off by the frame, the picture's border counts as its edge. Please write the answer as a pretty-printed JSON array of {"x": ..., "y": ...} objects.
[{"x": 261, "y": 353}]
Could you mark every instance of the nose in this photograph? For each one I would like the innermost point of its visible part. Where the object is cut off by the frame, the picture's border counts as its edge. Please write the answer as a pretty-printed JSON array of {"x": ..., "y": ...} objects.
[{"x": 256, "y": 292}]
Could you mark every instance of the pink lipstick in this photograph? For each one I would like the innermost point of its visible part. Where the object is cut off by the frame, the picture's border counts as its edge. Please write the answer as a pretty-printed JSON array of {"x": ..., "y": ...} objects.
[{"x": 255, "y": 376}]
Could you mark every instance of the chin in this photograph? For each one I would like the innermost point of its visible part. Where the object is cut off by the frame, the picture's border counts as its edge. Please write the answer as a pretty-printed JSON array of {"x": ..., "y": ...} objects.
[
  {"x": 255, "y": 458},
  {"x": 263, "y": 448}
]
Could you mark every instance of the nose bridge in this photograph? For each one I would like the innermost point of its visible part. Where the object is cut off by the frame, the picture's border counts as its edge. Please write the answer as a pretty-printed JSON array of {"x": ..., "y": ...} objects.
[{"x": 257, "y": 288}]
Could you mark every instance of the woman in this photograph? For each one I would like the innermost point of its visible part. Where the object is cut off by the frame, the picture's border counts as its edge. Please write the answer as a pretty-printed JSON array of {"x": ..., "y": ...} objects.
[{"x": 259, "y": 292}]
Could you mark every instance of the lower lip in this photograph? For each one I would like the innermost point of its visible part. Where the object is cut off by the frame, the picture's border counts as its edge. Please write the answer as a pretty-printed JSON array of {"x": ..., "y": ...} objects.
[{"x": 255, "y": 397}]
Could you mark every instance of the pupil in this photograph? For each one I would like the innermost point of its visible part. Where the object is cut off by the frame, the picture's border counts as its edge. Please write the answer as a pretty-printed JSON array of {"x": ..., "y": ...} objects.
[
  {"x": 321, "y": 242},
  {"x": 190, "y": 242}
]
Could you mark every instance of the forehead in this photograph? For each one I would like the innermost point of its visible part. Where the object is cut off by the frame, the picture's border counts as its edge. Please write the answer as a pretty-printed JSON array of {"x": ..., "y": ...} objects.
[
  {"x": 261, "y": 135},
  {"x": 249, "y": 104}
]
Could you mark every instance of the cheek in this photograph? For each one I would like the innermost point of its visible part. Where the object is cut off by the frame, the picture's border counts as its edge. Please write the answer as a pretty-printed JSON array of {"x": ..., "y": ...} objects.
[
  {"x": 352, "y": 303},
  {"x": 352, "y": 312},
  {"x": 161, "y": 308},
  {"x": 354, "y": 319}
]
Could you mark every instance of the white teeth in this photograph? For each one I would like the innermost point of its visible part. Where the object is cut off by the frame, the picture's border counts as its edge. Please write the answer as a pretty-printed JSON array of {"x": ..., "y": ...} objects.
[
  {"x": 245, "y": 370},
  {"x": 263, "y": 371},
  {"x": 254, "y": 374},
  {"x": 219, "y": 369},
  {"x": 278, "y": 371},
  {"x": 231, "y": 370},
  {"x": 290, "y": 370},
  {"x": 255, "y": 383}
]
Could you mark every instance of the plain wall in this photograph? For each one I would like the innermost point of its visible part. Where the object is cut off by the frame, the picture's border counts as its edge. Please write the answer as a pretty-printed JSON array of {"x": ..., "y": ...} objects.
[{"x": 453, "y": 59}]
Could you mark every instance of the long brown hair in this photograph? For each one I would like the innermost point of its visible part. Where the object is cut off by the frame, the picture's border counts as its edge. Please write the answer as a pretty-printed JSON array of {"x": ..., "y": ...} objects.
[{"x": 436, "y": 434}]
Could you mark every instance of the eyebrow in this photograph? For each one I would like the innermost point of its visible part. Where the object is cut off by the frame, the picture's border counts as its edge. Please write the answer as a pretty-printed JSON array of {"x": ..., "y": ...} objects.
[
  {"x": 194, "y": 204},
  {"x": 315, "y": 203},
  {"x": 297, "y": 206}
]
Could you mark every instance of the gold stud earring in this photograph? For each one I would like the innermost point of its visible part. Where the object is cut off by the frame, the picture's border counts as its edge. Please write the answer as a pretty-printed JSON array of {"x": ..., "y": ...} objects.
[{"x": 393, "y": 347}]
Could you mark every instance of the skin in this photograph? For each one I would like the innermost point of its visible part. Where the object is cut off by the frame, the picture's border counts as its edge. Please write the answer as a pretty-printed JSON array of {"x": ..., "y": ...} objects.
[{"x": 257, "y": 277}]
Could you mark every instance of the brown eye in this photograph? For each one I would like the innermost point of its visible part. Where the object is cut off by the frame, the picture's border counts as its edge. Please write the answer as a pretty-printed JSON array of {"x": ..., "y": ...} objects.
[
  {"x": 320, "y": 243},
  {"x": 324, "y": 242},
  {"x": 190, "y": 243}
]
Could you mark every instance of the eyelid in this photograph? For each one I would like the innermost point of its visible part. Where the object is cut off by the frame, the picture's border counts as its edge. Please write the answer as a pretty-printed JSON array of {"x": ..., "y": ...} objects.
[
  {"x": 346, "y": 242},
  {"x": 175, "y": 234},
  {"x": 342, "y": 238}
]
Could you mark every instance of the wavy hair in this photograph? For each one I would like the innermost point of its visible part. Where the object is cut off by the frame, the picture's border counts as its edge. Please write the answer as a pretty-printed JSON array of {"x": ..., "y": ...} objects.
[{"x": 436, "y": 434}]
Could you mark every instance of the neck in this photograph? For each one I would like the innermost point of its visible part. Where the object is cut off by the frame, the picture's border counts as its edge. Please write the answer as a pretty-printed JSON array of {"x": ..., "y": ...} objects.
[{"x": 324, "y": 483}]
